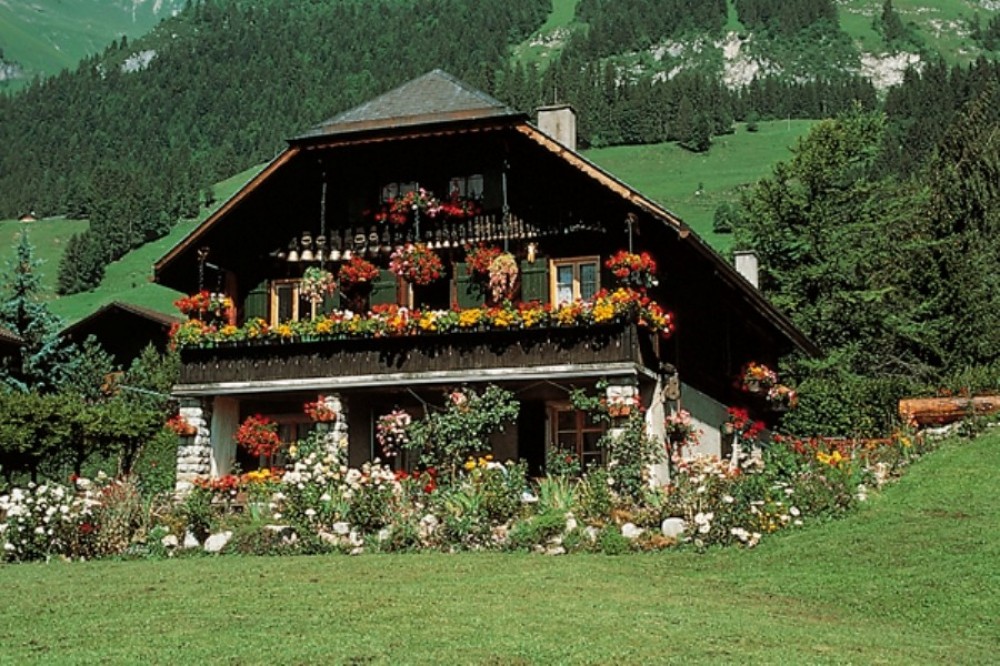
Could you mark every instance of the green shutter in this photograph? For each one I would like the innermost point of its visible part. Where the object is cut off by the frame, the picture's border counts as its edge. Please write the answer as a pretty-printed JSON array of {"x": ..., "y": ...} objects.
[
  {"x": 468, "y": 292},
  {"x": 256, "y": 302},
  {"x": 535, "y": 280},
  {"x": 330, "y": 303},
  {"x": 384, "y": 289}
]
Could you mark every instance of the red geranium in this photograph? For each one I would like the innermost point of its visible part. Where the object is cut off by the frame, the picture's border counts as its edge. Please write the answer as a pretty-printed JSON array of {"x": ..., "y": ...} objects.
[
  {"x": 357, "y": 271},
  {"x": 259, "y": 436}
]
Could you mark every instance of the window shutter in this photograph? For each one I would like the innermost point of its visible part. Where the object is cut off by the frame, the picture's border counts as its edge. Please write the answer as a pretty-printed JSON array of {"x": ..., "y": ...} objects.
[
  {"x": 384, "y": 288},
  {"x": 535, "y": 281},
  {"x": 329, "y": 303},
  {"x": 256, "y": 302},
  {"x": 468, "y": 292}
]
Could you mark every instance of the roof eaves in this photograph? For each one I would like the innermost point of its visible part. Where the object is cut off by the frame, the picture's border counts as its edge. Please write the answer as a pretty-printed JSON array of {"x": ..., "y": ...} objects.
[{"x": 223, "y": 210}]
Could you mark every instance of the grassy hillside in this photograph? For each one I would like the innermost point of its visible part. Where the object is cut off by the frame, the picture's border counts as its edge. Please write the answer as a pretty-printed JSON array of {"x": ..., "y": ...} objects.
[
  {"x": 909, "y": 579},
  {"x": 942, "y": 25},
  {"x": 45, "y": 36},
  {"x": 125, "y": 280},
  {"x": 674, "y": 176}
]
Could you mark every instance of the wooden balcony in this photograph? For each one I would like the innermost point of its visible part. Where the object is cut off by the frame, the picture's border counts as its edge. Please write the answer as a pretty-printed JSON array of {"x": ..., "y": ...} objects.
[{"x": 465, "y": 356}]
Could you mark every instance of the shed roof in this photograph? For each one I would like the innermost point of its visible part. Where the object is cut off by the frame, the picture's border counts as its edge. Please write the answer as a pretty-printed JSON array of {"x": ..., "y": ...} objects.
[{"x": 432, "y": 98}]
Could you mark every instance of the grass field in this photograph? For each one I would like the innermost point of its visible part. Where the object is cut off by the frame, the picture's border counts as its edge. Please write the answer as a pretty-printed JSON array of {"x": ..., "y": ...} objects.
[
  {"x": 910, "y": 579},
  {"x": 671, "y": 175}
]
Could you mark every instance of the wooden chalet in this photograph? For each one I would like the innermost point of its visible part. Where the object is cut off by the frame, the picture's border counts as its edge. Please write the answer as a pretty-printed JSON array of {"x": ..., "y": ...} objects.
[
  {"x": 124, "y": 330},
  {"x": 331, "y": 197}
]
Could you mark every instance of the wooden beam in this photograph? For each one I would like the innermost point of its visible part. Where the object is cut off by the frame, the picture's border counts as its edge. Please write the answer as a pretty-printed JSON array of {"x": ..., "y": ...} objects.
[{"x": 940, "y": 411}]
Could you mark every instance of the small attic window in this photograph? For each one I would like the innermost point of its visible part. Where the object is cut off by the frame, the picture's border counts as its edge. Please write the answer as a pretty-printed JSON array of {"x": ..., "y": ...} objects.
[
  {"x": 470, "y": 187},
  {"x": 396, "y": 189}
]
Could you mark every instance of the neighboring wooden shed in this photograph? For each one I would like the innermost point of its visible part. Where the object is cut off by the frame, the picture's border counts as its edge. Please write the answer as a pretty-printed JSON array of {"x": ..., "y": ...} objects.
[{"x": 124, "y": 329}]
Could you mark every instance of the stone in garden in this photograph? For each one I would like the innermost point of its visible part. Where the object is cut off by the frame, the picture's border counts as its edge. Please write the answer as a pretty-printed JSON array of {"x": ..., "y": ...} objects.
[
  {"x": 555, "y": 550},
  {"x": 170, "y": 541},
  {"x": 328, "y": 538},
  {"x": 591, "y": 533},
  {"x": 571, "y": 523},
  {"x": 428, "y": 525},
  {"x": 383, "y": 535},
  {"x": 631, "y": 532},
  {"x": 190, "y": 540},
  {"x": 357, "y": 551},
  {"x": 341, "y": 528},
  {"x": 673, "y": 528},
  {"x": 500, "y": 534},
  {"x": 217, "y": 542},
  {"x": 355, "y": 539}
]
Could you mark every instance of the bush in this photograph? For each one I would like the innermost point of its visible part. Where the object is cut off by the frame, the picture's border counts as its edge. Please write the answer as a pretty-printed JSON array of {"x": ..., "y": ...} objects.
[
  {"x": 156, "y": 466},
  {"x": 538, "y": 529}
]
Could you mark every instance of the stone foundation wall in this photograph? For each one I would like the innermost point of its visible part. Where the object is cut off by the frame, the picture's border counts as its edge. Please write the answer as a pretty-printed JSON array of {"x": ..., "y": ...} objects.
[{"x": 194, "y": 455}]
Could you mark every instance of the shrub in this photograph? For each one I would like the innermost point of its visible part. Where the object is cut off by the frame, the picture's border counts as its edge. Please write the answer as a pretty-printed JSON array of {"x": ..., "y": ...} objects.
[{"x": 538, "y": 529}]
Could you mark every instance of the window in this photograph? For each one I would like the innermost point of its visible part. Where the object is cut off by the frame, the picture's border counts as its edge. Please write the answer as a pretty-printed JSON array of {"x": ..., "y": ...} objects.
[
  {"x": 470, "y": 187},
  {"x": 574, "y": 431},
  {"x": 286, "y": 302},
  {"x": 574, "y": 279}
]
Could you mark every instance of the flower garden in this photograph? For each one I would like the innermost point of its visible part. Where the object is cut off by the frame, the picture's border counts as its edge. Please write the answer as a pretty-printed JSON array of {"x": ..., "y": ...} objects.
[{"x": 453, "y": 496}]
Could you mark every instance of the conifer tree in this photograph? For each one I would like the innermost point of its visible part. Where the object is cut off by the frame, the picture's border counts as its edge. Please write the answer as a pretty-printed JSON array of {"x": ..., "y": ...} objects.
[{"x": 45, "y": 357}]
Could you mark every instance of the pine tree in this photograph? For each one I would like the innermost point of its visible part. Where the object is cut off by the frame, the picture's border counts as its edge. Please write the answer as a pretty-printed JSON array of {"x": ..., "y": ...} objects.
[{"x": 45, "y": 357}]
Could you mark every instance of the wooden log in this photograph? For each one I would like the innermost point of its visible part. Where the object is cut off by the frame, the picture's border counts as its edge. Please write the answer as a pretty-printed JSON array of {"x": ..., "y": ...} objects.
[{"x": 940, "y": 411}]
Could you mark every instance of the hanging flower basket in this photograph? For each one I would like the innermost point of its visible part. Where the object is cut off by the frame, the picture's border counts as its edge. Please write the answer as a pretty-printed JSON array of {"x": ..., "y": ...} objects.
[
  {"x": 204, "y": 304},
  {"x": 757, "y": 378},
  {"x": 357, "y": 273},
  {"x": 259, "y": 436},
  {"x": 478, "y": 259},
  {"x": 317, "y": 284},
  {"x": 401, "y": 209},
  {"x": 416, "y": 263},
  {"x": 390, "y": 432},
  {"x": 503, "y": 277},
  {"x": 321, "y": 411},
  {"x": 635, "y": 270},
  {"x": 781, "y": 398},
  {"x": 179, "y": 425}
]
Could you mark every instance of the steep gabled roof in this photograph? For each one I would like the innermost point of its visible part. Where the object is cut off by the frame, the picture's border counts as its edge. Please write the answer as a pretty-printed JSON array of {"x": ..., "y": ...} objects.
[
  {"x": 139, "y": 311},
  {"x": 432, "y": 98}
]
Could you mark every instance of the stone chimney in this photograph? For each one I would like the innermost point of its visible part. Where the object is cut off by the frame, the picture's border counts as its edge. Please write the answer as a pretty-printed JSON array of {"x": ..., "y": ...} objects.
[
  {"x": 748, "y": 266},
  {"x": 559, "y": 122}
]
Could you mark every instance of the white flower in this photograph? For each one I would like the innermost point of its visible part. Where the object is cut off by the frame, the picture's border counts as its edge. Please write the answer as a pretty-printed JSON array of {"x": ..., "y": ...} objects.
[
  {"x": 728, "y": 499},
  {"x": 794, "y": 511},
  {"x": 310, "y": 513},
  {"x": 325, "y": 497}
]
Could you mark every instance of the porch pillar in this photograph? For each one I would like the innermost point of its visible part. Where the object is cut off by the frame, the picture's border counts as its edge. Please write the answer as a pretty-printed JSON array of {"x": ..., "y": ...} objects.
[
  {"x": 194, "y": 453},
  {"x": 225, "y": 423}
]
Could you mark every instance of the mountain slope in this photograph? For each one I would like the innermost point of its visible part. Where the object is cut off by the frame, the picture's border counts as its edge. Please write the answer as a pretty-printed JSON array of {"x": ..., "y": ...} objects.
[{"x": 42, "y": 37}]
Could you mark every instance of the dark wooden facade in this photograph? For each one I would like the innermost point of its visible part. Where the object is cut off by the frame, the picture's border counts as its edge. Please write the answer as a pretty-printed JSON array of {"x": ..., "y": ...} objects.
[{"x": 458, "y": 352}]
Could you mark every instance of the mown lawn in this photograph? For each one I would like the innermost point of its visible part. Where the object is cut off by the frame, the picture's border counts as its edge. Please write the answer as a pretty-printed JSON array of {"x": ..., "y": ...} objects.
[{"x": 912, "y": 578}]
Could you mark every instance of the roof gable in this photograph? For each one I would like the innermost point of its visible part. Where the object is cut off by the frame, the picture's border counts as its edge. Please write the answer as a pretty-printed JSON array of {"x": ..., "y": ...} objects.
[{"x": 434, "y": 97}]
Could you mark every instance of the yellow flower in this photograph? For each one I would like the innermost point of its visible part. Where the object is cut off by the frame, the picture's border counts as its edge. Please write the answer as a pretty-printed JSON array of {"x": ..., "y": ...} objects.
[
  {"x": 228, "y": 330},
  {"x": 469, "y": 318},
  {"x": 603, "y": 312},
  {"x": 324, "y": 326},
  {"x": 284, "y": 331},
  {"x": 469, "y": 465}
]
